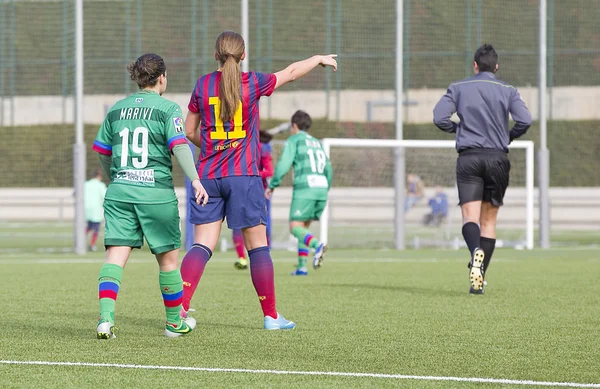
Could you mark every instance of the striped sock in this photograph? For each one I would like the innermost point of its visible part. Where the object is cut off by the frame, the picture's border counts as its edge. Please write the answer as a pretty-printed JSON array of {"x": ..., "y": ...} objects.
[
  {"x": 109, "y": 282},
  {"x": 306, "y": 237},
  {"x": 302, "y": 255},
  {"x": 171, "y": 287}
]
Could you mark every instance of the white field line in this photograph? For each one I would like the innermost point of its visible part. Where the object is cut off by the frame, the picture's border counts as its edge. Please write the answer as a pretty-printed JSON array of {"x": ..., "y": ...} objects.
[{"x": 309, "y": 373}]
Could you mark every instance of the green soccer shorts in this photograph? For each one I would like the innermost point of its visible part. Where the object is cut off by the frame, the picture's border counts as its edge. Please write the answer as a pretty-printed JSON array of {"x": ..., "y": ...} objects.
[
  {"x": 305, "y": 209},
  {"x": 128, "y": 224}
]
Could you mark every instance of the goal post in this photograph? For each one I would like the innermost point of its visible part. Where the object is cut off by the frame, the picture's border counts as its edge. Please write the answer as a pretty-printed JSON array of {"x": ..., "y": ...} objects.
[{"x": 523, "y": 170}]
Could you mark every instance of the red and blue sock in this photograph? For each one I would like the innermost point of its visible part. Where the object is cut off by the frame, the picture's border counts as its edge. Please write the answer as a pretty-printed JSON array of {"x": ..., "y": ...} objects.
[
  {"x": 263, "y": 278},
  {"x": 305, "y": 237},
  {"x": 303, "y": 253},
  {"x": 192, "y": 268},
  {"x": 171, "y": 287},
  {"x": 109, "y": 283}
]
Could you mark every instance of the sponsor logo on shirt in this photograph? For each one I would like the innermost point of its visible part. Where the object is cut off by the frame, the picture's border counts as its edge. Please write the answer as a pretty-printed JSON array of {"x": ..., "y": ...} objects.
[
  {"x": 178, "y": 123},
  {"x": 317, "y": 181},
  {"x": 231, "y": 145},
  {"x": 137, "y": 177}
]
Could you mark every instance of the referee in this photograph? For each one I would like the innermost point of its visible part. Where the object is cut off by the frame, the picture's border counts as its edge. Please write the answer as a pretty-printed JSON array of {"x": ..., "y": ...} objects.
[{"x": 482, "y": 103}]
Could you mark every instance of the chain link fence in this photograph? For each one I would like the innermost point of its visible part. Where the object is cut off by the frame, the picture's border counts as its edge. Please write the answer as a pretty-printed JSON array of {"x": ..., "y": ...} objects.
[{"x": 37, "y": 71}]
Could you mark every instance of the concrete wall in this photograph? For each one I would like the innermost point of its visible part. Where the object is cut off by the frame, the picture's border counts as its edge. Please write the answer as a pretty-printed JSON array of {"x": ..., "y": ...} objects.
[
  {"x": 571, "y": 208},
  {"x": 567, "y": 103}
]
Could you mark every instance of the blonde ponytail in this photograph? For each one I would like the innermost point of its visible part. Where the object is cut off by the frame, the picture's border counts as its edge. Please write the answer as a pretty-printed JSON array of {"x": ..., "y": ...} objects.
[
  {"x": 229, "y": 50},
  {"x": 229, "y": 88}
]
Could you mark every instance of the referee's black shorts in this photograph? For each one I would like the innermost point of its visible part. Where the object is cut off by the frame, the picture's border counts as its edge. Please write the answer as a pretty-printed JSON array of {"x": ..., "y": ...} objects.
[{"x": 482, "y": 175}]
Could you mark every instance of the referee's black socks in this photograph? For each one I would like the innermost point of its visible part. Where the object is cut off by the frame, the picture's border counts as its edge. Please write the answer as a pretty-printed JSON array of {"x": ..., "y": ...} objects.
[
  {"x": 471, "y": 234},
  {"x": 487, "y": 245}
]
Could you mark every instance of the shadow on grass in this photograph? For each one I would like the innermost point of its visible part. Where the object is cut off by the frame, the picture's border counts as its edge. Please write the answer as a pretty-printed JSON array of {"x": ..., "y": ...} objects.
[{"x": 405, "y": 289}]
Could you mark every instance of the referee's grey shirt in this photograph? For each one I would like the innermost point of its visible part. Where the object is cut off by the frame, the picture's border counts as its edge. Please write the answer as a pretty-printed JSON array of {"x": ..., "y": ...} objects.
[{"x": 482, "y": 103}]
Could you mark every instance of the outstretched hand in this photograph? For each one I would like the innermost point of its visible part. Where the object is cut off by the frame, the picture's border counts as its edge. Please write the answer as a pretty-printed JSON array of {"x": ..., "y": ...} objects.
[
  {"x": 329, "y": 60},
  {"x": 200, "y": 192}
]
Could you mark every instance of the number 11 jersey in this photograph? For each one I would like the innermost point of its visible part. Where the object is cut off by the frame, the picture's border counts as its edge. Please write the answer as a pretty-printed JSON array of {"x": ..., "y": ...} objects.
[
  {"x": 138, "y": 134},
  {"x": 230, "y": 148}
]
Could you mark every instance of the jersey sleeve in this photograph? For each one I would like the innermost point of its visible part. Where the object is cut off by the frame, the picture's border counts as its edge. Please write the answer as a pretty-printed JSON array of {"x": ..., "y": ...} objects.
[
  {"x": 520, "y": 114},
  {"x": 285, "y": 163},
  {"x": 444, "y": 110},
  {"x": 174, "y": 132},
  {"x": 194, "y": 105},
  {"x": 103, "y": 142},
  {"x": 266, "y": 83}
]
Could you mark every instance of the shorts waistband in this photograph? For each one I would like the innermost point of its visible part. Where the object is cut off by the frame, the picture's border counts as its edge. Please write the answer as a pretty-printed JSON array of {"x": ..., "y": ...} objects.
[{"x": 482, "y": 151}]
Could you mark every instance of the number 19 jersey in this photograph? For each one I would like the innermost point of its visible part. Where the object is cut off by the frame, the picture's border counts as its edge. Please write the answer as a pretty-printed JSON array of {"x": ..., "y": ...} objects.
[
  {"x": 139, "y": 133},
  {"x": 230, "y": 148}
]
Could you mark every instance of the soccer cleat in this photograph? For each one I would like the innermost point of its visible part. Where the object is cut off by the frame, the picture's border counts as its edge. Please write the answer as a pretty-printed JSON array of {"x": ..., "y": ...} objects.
[
  {"x": 476, "y": 272},
  {"x": 241, "y": 264},
  {"x": 105, "y": 330},
  {"x": 301, "y": 271},
  {"x": 319, "y": 253},
  {"x": 184, "y": 327},
  {"x": 278, "y": 324},
  {"x": 473, "y": 291}
]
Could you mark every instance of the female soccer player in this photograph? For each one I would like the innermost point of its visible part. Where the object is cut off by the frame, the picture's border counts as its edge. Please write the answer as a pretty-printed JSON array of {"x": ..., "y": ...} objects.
[
  {"x": 225, "y": 103},
  {"x": 266, "y": 171},
  {"x": 135, "y": 143}
]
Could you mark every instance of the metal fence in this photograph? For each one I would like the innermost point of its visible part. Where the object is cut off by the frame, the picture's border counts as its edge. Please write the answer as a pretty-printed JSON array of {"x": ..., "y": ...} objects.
[{"x": 439, "y": 37}]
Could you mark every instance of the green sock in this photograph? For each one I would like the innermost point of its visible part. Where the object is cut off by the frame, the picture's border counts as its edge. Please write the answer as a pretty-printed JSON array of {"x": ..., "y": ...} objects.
[
  {"x": 305, "y": 237},
  {"x": 302, "y": 255},
  {"x": 171, "y": 287},
  {"x": 109, "y": 282}
]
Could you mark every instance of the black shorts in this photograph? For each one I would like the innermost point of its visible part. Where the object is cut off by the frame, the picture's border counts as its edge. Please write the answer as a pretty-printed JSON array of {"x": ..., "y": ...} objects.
[{"x": 482, "y": 175}]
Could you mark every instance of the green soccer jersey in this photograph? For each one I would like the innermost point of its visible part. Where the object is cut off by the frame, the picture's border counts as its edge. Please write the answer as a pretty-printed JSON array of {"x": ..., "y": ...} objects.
[
  {"x": 139, "y": 133},
  {"x": 312, "y": 169}
]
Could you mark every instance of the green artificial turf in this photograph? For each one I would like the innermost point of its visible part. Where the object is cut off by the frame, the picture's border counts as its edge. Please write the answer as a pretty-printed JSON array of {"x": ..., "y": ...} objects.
[{"x": 365, "y": 311}]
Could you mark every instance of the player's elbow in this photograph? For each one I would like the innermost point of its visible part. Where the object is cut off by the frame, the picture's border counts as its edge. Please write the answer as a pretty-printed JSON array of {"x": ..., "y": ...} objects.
[
  {"x": 439, "y": 118},
  {"x": 442, "y": 122},
  {"x": 291, "y": 74},
  {"x": 189, "y": 130}
]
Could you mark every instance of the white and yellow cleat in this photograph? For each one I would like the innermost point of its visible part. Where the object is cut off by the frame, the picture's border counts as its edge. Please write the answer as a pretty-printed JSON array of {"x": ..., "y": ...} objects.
[
  {"x": 241, "y": 264},
  {"x": 184, "y": 327},
  {"x": 476, "y": 269},
  {"x": 105, "y": 330}
]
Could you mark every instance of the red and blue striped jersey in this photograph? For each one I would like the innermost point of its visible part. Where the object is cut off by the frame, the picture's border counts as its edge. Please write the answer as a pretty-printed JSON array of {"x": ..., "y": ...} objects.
[{"x": 231, "y": 148}]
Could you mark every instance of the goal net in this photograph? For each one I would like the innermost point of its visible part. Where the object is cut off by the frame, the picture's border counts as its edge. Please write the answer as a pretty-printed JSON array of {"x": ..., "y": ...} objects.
[{"x": 362, "y": 201}]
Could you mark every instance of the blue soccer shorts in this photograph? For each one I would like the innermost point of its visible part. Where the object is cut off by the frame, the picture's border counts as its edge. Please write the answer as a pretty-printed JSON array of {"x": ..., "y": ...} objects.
[{"x": 240, "y": 199}]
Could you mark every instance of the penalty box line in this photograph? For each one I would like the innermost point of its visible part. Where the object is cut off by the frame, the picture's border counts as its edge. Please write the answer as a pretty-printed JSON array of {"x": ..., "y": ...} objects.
[{"x": 307, "y": 373}]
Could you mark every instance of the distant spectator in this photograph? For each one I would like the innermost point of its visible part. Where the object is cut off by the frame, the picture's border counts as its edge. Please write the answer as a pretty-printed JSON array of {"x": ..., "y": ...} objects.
[
  {"x": 94, "y": 190},
  {"x": 439, "y": 208},
  {"x": 414, "y": 191}
]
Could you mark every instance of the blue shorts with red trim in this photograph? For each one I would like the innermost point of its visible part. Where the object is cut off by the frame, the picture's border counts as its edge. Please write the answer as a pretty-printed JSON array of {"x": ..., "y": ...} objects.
[{"x": 240, "y": 199}]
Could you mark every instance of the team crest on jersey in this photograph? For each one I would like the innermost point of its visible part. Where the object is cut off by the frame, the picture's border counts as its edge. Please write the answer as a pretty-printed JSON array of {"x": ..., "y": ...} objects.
[{"x": 178, "y": 122}]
